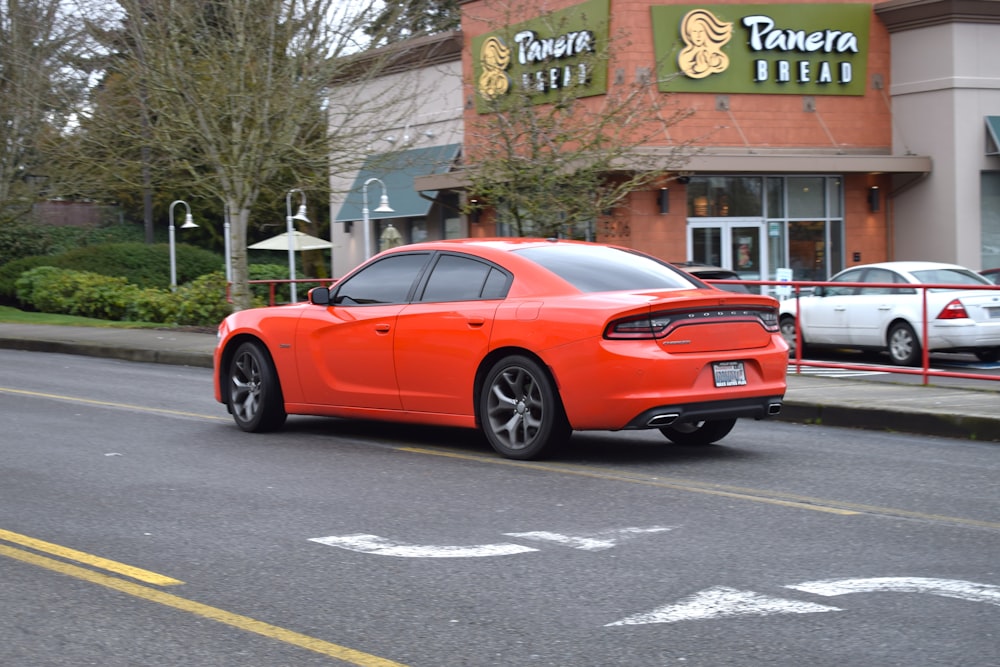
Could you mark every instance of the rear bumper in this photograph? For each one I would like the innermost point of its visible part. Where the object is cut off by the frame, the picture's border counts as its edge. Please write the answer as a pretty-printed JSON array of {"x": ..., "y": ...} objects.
[{"x": 664, "y": 415}]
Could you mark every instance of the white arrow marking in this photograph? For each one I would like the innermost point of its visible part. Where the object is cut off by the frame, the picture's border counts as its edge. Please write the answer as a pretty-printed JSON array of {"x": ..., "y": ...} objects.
[
  {"x": 379, "y": 546},
  {"x": 949, "y": 588},
  {"x": 593, "y": 542},
  {"x": 723, "y": 602}
]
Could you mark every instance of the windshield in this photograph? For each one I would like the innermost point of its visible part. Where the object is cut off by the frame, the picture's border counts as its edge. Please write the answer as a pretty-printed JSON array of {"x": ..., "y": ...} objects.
[
  {"x": 949, "y": 277},
  {"x": 603, "y": 269}
]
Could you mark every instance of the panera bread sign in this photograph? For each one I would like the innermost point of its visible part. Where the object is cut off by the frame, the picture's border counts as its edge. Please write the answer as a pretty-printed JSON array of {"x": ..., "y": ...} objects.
[
  {"x": 551, "y": 55},
  {"x": 806, "y": 49}
]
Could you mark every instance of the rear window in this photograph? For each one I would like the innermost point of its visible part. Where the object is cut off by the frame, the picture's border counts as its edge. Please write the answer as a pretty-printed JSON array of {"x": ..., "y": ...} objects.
[
  {"x": 949, "y": 277},
  {"x": 603, "y": 269}
]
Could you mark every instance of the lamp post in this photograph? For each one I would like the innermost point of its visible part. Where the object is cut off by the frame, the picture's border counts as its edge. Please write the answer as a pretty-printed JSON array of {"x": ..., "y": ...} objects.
[
  {"x": 188, "y": 224},
  {"x": 383, "y": 207},
  {"x": 299, "y": 215},
  {"x": 228, "y": 250}
]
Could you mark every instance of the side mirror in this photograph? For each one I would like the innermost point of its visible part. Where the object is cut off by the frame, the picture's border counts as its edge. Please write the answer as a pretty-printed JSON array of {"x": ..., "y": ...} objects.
[
  {"x": 319, "y": 296},
  {"x": 819, "y": 290}
]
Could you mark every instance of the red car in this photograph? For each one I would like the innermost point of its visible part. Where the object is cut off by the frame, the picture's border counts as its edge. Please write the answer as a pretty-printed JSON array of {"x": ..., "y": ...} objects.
[{"x": 525, "y": 339}]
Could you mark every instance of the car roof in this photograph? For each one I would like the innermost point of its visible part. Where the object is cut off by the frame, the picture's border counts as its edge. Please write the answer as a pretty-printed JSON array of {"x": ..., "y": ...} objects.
[{"x": 908, "y": 266}]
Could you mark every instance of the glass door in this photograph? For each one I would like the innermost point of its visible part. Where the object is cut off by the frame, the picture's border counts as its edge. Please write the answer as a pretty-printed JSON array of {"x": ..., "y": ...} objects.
[{"x": 736, "y": 244}]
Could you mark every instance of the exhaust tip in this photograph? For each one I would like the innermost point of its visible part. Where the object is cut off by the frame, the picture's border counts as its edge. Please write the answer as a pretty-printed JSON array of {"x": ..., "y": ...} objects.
[
  {"x": 774, "y": 408},
  {"x": 663, "y": 420}
]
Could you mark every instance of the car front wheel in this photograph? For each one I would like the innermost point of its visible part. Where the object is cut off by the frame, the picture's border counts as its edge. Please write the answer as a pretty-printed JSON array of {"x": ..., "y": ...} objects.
[
  {"x": 787, "y": 325},
  {"x": 904, "y": 346},
  {"x": 988, "y": 356},
  {"x": 698, "y": 433},
  {"x": 519, "y": 409},
  {"x": 254, "y": 390}
]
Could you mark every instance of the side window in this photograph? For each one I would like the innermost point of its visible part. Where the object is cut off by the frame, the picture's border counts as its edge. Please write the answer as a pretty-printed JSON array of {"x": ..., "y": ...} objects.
[
  {"x": 846, "y": 277},
  {"x": 878, "y": 276},
  {"x": 456, "y": 278},
  {"x": 386, "y": 281}
]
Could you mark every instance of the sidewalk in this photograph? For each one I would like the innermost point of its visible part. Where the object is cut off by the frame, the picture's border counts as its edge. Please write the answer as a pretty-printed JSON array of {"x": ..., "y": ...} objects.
[{"x": 907, "y": 408}]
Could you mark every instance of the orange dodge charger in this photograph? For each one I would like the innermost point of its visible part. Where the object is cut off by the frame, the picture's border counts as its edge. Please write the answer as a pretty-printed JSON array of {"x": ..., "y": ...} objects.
[{"x": 525, "y": 339}]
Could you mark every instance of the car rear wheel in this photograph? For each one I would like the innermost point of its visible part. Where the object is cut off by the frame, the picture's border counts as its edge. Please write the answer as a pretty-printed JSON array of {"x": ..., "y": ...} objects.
[
  {"x": 904, "y": 346},
  {"x": 520, "y": 411},
  {"x": 698, "y": 433},
  {"x": 254, "y": 390}
]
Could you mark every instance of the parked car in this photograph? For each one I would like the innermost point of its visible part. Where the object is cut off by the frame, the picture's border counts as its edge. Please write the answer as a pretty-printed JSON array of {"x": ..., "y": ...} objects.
[
  {"x": 993, "y": 275},
  {"x": 709, "y": 272},
  {"x": 525, "y": 339},
  {"x": 891, "y": 319}
]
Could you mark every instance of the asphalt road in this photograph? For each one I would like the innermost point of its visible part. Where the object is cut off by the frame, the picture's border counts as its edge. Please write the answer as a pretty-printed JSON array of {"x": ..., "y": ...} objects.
[{"x": 141, "y": 527}]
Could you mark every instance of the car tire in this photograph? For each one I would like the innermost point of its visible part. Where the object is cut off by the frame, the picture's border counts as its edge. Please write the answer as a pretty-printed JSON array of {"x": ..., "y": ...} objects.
[
  {"x": 989, "y": 355},
  {"x": 698, "y": 433},
  {"x": 520, "y": 412},
  {"x": 903, "y": 345},
  {"x": 787, "y": 325},
  {"x": 255, "y": 398}
]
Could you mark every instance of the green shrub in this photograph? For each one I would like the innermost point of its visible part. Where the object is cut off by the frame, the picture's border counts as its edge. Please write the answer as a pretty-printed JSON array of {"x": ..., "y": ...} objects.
[
  {"x": 11, "y": 271},
  {"x": 51, "y": 290},
  {"x": 142, "y": 264},
  {"x": 202, "y": 302}
]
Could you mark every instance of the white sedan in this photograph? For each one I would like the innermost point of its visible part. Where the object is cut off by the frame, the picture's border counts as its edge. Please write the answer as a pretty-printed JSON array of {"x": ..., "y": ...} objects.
[{"x": 891, "y": 319}]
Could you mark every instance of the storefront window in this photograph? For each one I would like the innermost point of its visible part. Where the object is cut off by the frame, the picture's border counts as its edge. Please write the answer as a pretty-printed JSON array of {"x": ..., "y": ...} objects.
[
  {"x": 725, "y": 196},
  {"x": 807, "y": 250},
  {"x": 806, "y": 197}
]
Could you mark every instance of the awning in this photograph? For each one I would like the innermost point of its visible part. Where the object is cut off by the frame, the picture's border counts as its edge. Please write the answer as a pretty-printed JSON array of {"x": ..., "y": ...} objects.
[
  {"x": 731, "y": 161},
  {"x": 398, "y": 171},
  {"x": 993, "y": 135}
]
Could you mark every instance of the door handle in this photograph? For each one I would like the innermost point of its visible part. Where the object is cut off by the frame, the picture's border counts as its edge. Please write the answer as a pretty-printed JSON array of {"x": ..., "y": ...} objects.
[
  {"x": 477, "y": 321},
  {"x": 382, "y": 328}
]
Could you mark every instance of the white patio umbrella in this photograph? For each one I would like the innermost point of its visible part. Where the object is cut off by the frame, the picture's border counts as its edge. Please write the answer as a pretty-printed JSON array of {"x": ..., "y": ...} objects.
[{"x": 301, "y": 240}]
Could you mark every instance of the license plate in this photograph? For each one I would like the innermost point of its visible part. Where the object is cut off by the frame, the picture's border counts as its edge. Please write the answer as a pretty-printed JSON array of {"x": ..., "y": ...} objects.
[
  {"x": 729, "y": 373},
  {"x": 992, "y": 313}
]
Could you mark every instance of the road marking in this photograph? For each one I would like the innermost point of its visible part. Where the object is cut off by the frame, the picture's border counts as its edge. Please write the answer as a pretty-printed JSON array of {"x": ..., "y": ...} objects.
[
  {"x": 594, "y": 542},
  {"x": 380, "y": 546},
  {"x": 951, "y": 588},
  {"x": 205, "y": 611},
  {"x": 89, "y": 559},
  {"x": 109, "y": 404},
  {"x": 723, "y": 602}
]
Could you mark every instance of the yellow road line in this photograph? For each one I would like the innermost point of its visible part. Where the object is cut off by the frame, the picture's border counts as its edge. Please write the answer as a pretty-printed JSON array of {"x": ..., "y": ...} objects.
[
  {"x": 89, "y": 559},
  {"x": 756, "y": 495},
  {"x": 109, "y": 404},
  {"x": 246, "y": 623}
]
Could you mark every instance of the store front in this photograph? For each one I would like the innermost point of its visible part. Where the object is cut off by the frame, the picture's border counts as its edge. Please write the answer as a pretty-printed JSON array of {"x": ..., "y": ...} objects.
[{"x": 755, "y": 225}]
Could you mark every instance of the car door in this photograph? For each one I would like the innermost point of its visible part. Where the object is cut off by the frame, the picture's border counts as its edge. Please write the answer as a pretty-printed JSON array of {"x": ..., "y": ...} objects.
[
  {"x": 346, "y": 349},
  {"x": 871, "y": 310},
  {"x": 442, "y": 336},
  {"x": 824, "y": 318}
]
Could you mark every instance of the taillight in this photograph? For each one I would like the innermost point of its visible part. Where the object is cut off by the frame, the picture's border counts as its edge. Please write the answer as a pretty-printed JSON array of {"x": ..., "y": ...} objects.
[
  {"x": 658, "y": 325},
  {"x": 953, "y": 311},
  {"x": 652, "y": 326}
]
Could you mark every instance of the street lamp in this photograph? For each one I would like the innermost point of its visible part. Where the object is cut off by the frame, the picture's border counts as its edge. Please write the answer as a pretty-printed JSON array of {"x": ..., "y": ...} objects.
[
  {"x": 300, "y": 215},
  {"x": 228, "y": 247},
  {"x": 188, "y": 224},
  {"x": 383, "y": 207}
]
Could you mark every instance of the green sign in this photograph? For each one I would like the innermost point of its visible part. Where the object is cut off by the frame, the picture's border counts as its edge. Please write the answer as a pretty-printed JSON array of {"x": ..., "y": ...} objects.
[
  {"x": 800, "y": 49},
  {"x": 560, "y": 53}
]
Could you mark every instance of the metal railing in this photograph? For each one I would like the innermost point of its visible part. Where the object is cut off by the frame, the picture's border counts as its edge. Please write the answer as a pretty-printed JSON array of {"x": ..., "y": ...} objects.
[{"x": 925, "y": 371}]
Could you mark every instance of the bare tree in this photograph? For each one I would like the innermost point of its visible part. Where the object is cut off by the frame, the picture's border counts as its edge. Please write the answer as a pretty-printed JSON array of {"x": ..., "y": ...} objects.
[
  {"x": 36, "y": 45},
  {"x": 548, "y": 155},
  {"x": 232, "y": 96}
]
